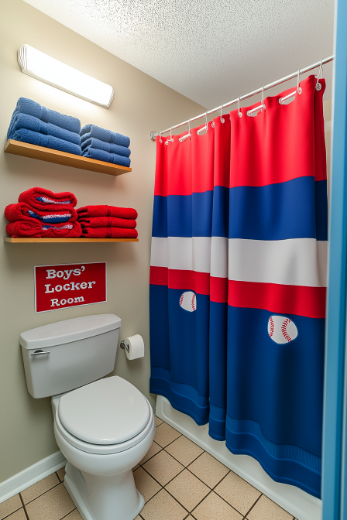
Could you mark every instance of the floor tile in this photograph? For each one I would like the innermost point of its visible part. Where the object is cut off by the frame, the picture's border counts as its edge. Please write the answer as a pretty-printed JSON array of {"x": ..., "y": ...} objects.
[
  {"x": 52, "y": 505},
  {"x": 187, "y": 489},
  {"x": 163, "y": 467},
  {"x": 18, "y": 515},
  {"x": 163, "y": 507},
  {"x": 147, "y": 486},
  {"x": 165, "y": 434},
  {"x": 184, "y": 450},
  {"x": 153, "y": 450},
  {"x": 157, "y": 420},
  {"x": 73, "y": 516},
  {"x": 208, "y": 469},
  {"x": 214, "y": 508},
  {"x": 10, "y": 505},
  {"x": 61, "y": 474},
  {"x": 265, "y": 509},
  {"x": 39, "y": 488},
  {"x": 237, "y": 492}
]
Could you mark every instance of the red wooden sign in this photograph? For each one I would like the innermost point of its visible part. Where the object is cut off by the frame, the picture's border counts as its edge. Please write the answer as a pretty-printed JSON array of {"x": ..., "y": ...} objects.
[{"x": 69, "y": 285}]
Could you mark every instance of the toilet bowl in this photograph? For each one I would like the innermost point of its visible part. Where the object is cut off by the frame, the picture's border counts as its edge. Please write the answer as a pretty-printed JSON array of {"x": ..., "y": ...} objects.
[
  {"x": 99, "y": 474},
  {"x": 104, "y": 427}
]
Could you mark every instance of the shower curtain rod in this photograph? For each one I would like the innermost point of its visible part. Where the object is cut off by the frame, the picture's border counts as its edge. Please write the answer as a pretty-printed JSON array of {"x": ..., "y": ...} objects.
[{"x": 153, "y": 135}]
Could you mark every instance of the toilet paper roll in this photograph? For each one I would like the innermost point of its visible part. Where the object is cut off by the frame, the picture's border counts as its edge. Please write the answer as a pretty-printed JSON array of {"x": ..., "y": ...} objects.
[{"x": 136, "y": 347}]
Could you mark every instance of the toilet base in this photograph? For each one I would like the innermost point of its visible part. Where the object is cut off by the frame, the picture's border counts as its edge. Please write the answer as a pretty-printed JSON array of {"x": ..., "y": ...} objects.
[{"x": 103, "y": 498}]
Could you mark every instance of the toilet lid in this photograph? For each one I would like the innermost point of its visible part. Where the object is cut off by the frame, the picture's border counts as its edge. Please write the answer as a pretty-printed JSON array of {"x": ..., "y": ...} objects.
[{"x": 108, "y": 411}]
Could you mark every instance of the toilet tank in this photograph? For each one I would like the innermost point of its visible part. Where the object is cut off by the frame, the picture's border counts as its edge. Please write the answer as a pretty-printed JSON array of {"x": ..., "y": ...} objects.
[{"x": 68, "y": 354}]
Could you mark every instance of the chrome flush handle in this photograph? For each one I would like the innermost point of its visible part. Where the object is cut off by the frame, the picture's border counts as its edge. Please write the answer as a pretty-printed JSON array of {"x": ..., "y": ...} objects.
[{"x": 40, "y": 352}]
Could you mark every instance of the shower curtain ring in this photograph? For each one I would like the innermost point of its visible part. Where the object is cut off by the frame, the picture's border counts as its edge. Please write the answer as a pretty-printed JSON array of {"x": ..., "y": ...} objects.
[
  {"x": 222, "y": 120},
  {"x": 160, "y": 139},
  {"x": 298, "y": 88},
  {"x": 319, "y": 76},
  {"x": 263, "y": 106},
  {"x": 204, "y": 127},
  {"x": 184, "y": 137},
  {"x": 238, "y": 108},
  {"x": 171, "y": 139}
]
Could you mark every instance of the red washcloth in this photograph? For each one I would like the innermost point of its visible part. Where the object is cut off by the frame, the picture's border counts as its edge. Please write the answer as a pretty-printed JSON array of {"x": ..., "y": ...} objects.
[
  {"x": 47, "y": 200},
  {"x": 22, "y": 211},
  {"x": 97, "y": 222},
  {"x": 25, "y": 228},
  {"x": 109, "y": 232},
  {"x": 106, "y": 211}
]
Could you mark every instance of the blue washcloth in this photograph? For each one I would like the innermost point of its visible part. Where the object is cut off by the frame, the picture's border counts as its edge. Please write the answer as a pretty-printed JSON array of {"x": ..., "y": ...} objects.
[
  {"x": 107, "y": 147},
  {"x": 104, "y": 135},
  {"x": 28, "y": 106},
  {"x": 101, "y": 155},
  {"x": 36, "y": 125},
  {"x": 48, "y": 141}
]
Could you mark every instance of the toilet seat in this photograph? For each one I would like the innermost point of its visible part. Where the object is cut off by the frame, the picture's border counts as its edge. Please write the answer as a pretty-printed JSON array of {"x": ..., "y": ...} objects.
[{"x": 106, "y": 416}]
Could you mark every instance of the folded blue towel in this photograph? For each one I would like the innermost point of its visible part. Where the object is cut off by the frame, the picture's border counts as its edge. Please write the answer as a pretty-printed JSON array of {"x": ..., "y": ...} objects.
[
  {"x": 104, "y": 135},
  {"x": 28, "y": 106},
  {"x": 48, "y": 141},
  {"x": 36, "y": 125},
  {"x": 101, "y": 155},
  {"x": 107, "y": 147}
]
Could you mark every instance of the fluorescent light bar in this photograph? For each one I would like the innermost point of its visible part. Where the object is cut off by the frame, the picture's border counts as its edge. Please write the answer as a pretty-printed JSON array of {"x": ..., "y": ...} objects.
[{"x": 49, "y": 70}]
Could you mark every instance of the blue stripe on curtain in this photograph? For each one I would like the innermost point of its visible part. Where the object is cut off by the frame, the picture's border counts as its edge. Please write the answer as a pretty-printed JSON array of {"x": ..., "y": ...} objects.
[{"x": 273, "y": 212}]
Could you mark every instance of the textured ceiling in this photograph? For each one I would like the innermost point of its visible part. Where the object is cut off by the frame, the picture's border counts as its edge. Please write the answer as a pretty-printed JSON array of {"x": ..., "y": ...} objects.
[{"x": 208, "y": 50}]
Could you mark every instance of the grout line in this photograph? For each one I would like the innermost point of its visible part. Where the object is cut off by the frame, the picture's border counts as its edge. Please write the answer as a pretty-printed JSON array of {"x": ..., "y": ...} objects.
[
  {"x": 245, "y": 517},
  {"x": 69, "y": 513},
  {"x": 189, "y": 463},
  {"x": 33, "y": 500},
  {"x": 25, "y": 511}
]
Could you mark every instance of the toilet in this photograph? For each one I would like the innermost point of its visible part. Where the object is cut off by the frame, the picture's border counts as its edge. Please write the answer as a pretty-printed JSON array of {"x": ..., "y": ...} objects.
[{"x": 103, "y": 426}]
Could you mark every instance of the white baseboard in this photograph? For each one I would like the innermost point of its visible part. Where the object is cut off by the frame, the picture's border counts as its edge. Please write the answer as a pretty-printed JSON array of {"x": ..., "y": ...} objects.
[
  {"x": 31, "y": 475},
  {"x": 298, "y": 503}
]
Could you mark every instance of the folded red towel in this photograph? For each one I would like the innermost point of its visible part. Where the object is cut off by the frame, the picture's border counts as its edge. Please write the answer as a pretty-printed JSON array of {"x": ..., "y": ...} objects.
[
  {"x": 106, "y": 211},
  {"x": 109, "y": 232},
  {"x": 97, "y": 222},
  {"x": 26, "y": 228},
  {"x": 23, "y": 211},
  {"x": 46, "y": 200}
]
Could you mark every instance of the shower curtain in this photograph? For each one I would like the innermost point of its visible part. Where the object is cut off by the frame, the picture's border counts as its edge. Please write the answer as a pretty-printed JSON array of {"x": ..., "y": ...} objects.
[{"x": 238, "y": 281}]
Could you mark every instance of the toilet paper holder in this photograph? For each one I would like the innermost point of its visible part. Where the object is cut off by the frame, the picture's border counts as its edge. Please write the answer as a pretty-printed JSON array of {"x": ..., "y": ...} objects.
[{"x": 124, "y": 345}]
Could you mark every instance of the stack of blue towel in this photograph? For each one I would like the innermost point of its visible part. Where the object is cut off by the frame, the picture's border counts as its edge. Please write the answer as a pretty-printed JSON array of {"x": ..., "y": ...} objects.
[
  {"x": 35, "y": 124},
  {"x": 104, "y": 145}
]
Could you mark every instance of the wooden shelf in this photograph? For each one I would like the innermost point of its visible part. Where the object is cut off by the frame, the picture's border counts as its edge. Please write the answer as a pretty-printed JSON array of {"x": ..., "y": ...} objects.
[
  {"x": 33, "y": 240},
  {"x": 66, "y": 159}
]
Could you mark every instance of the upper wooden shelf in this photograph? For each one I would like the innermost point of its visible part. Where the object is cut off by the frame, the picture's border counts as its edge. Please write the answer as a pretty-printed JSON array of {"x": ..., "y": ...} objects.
[
  {"x": 66, "y": 159},
  {"x": 33, "y": 240}
]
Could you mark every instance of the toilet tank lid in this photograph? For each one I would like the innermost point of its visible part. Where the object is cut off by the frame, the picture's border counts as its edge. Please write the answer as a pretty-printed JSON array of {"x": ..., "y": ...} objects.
[{"x": 68, "y": 331}]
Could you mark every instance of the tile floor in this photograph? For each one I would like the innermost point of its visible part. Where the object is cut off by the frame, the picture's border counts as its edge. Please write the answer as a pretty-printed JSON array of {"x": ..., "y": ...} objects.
[{"x": 178, "y": 480}]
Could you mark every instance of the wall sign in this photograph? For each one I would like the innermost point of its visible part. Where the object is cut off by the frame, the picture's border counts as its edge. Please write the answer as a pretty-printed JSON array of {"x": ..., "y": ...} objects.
[{"x": 69, "y": 285}]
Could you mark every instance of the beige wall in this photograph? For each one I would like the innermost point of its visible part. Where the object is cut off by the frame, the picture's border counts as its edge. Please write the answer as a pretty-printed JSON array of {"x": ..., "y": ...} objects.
[{"x": 141, "y": 104}]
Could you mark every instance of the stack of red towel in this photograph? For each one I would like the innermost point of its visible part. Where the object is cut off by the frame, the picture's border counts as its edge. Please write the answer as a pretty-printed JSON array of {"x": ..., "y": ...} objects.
[
  {"x": 42, "y": 213},
  {"x": 107, "y": 222}
]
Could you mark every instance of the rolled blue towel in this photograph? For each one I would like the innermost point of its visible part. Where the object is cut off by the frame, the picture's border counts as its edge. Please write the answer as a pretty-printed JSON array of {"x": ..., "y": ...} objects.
[
  {"x": 104, "y": 135},
  {"x": 107, "y": 147},
  {"x": 48, "y": 141},
  {"x": 30, "y": 107},
  {"x": 101, "y": 155},
  {"x": 36, "y": 125}
]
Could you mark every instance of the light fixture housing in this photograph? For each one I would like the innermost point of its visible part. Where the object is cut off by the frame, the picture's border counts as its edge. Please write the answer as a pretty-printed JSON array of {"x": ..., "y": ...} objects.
[{"x": 39, "y": 65}]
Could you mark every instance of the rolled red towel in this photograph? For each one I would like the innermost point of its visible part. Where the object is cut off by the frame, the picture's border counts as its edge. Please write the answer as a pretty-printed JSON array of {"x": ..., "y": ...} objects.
[
  {"x": 109, "y": 232},
  {"x": 106, "y": 211},
  {"x": 26, "y": 228},
  {"x": 46, "y": 200},
  {"x": 22, "y": 211},
  {"x": 97, "y": 222}
]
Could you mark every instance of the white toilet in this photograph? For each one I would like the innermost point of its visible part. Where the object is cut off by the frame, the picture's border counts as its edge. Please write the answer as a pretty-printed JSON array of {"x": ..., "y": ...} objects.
[{"x": 104, "y": 427}]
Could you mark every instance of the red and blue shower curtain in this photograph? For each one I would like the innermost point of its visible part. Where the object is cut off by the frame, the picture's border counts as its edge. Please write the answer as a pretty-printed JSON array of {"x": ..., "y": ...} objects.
[{"x": 238, "y": 282}]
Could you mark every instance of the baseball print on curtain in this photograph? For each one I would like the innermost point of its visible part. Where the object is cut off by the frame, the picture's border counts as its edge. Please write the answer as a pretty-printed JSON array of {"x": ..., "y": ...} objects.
[{"x": 238, "y": 282}]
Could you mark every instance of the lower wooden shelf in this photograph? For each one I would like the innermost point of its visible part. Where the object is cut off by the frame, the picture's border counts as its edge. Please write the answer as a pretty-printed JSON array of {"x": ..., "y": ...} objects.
[{"x": 33, "y": 240}]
